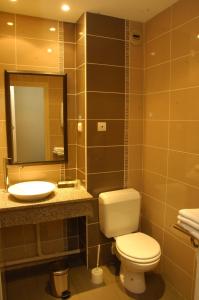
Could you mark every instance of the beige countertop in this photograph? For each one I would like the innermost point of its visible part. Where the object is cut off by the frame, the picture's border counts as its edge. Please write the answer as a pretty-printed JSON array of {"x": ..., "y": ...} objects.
[{"x": 62, "y": 203}]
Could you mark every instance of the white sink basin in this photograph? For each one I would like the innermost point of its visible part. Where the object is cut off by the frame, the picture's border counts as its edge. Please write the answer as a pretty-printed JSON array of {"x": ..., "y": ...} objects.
[{"x": 31, "y": 190}]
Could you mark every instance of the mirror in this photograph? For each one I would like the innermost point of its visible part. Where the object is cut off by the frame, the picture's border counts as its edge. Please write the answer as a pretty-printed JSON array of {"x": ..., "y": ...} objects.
[{"x": 36, "y": 111}]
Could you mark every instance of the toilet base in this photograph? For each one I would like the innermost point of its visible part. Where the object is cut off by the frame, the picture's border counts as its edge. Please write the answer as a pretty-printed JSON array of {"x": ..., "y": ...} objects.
[{"x": 134, "y": 282}]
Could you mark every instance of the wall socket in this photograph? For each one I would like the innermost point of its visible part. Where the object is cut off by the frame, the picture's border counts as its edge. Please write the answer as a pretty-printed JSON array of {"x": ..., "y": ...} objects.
[{"x": 101, "y": 126}]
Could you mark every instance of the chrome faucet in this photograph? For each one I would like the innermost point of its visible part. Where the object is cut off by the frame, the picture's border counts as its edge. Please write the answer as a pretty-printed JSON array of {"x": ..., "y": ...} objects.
[{"x": 5, "y": 172}]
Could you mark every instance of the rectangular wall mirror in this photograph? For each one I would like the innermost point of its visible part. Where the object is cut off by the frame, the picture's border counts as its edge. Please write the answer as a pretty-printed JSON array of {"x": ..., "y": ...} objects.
[{"x": 36, "y": 117}]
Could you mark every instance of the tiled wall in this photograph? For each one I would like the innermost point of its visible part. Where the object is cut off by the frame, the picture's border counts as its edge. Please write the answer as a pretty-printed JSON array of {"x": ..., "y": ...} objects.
[
  {"x": 105, "y": 41},
  {"x": 24, "y": 46},
  {"x": 171, "y": 148}
]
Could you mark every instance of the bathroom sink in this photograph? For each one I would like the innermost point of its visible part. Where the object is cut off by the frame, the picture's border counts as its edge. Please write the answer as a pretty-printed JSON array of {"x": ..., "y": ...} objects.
[{"x": 31, "y": 190}]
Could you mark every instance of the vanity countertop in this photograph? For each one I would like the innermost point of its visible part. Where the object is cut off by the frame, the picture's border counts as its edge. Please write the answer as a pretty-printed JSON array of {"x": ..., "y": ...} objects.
[
  {"x": 59, "y": 196},
  {"x": 62, "y": 203}
]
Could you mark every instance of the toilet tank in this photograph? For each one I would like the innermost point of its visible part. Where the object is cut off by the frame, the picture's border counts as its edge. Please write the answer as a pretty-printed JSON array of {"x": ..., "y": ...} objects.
[{"x": 119, "y": 212}]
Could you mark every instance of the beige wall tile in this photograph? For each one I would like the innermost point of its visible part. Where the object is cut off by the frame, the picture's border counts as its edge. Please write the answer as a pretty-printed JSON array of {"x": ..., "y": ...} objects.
[
  {"x": 2, "y": 105},
  {"x": 80, "y": 79},
  {"x": 184, "y": 104},
  {"x": 7, "y": 46},
  {"x": 183, "y": 11},
  {"x": 135, "y": 128},
  {"x": 135, "y": 157},
  {"x": 39, "y": 52},
  {"x": 153, "y": 210},
  {"x": 136, "y": 80},
  {"x": 171, "y": 250},
  {"x": 181, "y": 196},
  {"x": 38, "y": 28},
  {"x": 136, "y": 56},
  {"x": 152, "y": 230},
  {"x": 156, "y": 133},
  {"x": 80, "y": 52},
  {"x": 81, "y": 158},
  {"x": 178, "y": 278},
  {"x": 155, "y": 160},
  {"x": 185, "y": 40},
  {"x": 156, "y": 106},
  {"x": 183, "y": 167},
  {"x": 157, "y": 78},
  {"x": 184, "y": 136},
  {"x": 158, "y": 24},
  {"x": 135, "y": 106},
  {"x": 154, "y": 185},
  {"x": 185, "y": 72},
  {"x": 4, "y": 27},
  {"x": 158, "y": 50},
  {"x": 3, "y": 141},
  {"x": 80, "y": 106},
  {"x": 80, "y": 27},
  {"x": 135, "y": 179}
]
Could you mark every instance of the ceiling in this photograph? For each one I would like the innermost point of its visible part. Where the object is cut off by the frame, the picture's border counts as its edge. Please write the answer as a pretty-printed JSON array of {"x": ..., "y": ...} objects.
[{"x": 137, "y": 10}]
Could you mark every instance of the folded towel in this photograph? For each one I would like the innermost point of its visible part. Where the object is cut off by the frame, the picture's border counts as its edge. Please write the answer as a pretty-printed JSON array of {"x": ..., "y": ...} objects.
[
  {"x": 189, "y": 222},
  {"x": 191, "y": 214},
  {"x": 192, "y": 231}
]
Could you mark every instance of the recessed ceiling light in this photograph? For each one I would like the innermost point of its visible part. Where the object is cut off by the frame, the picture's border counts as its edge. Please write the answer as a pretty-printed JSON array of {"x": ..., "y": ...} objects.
[
  {"x": 10, "y": 23},
  {"x": 13, "y": 0},
  {"x": 53, "y": 29},
  {"x": 198, "y": 36},
  {"x": 49, "y": 50},
  {"x": 65, "y": 7}
]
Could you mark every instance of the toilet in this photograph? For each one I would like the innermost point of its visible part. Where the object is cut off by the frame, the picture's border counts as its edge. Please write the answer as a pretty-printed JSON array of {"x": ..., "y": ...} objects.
[{"x": 119, "y": 214}]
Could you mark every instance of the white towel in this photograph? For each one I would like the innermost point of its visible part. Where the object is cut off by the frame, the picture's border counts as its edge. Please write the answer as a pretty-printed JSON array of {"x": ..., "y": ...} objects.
[
  {"x": 194, "y": 232},
  {"x": 189, "y": 222},
  {"x": 191, "y": 214}
]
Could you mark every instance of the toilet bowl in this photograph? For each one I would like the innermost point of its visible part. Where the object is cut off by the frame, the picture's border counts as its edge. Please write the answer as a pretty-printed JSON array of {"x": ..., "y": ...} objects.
[
  {"x": 119, "y": 213},
  {"x": 138, "y": 253}
]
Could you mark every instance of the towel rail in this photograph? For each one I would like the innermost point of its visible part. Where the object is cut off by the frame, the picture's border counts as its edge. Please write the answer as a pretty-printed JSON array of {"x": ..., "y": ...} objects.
[{"x": 194, "y": 241}]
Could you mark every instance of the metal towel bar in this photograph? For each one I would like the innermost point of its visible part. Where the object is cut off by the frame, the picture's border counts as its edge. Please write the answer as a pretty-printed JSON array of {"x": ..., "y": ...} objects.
[{"x": 194, "y": 241}]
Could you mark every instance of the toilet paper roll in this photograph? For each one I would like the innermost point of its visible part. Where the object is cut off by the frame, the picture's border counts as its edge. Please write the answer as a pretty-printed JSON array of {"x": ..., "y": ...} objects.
[{"x": 97, "y": 275}]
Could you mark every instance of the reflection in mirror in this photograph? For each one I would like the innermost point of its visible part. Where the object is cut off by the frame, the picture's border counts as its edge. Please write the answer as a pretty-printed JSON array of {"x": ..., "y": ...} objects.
[{"x": 35, "y": 113}]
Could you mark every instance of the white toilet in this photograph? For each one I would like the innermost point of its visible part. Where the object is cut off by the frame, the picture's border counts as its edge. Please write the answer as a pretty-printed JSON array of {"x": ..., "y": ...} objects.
[{"x": 119, "y": 213}]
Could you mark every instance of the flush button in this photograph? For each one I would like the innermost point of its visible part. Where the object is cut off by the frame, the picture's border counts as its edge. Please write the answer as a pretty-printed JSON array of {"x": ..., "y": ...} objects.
[{"x": 101, "y": 126}]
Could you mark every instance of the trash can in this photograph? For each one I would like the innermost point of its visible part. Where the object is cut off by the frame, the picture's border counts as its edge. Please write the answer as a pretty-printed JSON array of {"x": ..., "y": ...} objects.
[{"x": 59, "y": 280}]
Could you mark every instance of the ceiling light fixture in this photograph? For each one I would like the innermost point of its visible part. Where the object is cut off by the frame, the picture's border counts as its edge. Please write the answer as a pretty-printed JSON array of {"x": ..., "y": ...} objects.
[
  {"x": 53, "y": 29},
  {"x": 10, "y": 23},
  {"x": 50, "y": 50},
  {"x": 13, "y": 0},
  {"x": 65, "y": 7}
]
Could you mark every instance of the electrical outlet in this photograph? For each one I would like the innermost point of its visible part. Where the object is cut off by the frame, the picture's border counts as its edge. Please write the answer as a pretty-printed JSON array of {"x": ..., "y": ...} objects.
[{"x": 101, "y": 126}]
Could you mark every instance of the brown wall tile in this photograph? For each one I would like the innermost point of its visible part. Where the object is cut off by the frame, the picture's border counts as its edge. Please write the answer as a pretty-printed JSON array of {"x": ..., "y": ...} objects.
[
  {"x": 101, "y": 25},
  {"x": 69, "y": 32},
  {"x": 183, "y": 11},
  {"x": 155, "y": 160},
  {"x": 105, "y": 105},
  {"x": 105, "y": 159},
  {"x": 156, "y": 106},
  {"x": 103, "y": 182},
  {"x": 105, "y": 78},
  {"x": 96, "y": 237},
  {"x": 156, "y": 133},
  {"x": 69, "y": 55},
  {"x": 114, "y": 134},
  {"x": 157, "y": 78},
  {"x": 105, "y": 51}
]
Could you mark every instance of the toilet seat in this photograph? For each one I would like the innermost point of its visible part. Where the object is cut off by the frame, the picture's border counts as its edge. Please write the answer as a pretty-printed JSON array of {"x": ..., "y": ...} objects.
[{"x": 138, "y": 247}]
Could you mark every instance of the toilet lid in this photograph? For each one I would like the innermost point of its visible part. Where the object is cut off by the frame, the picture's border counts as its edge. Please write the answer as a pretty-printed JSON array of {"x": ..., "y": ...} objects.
[{"x": 138, "y": 246}]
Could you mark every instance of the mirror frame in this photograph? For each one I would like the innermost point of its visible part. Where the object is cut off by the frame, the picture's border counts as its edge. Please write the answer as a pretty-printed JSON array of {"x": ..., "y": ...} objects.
[{"x": 9, "y": 123}]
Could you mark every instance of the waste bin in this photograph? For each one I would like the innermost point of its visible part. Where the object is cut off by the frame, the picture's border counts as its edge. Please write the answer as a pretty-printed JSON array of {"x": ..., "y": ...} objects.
[{"x": 59, "y": 280}]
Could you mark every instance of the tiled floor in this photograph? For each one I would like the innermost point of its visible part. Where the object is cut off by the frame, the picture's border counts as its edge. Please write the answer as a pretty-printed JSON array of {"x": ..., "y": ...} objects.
[{"x": 35, "y": 287}]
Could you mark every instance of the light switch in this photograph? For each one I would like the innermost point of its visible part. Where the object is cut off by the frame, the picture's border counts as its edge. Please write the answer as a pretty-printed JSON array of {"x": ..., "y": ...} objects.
[{"x": 101, "y": 126}]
